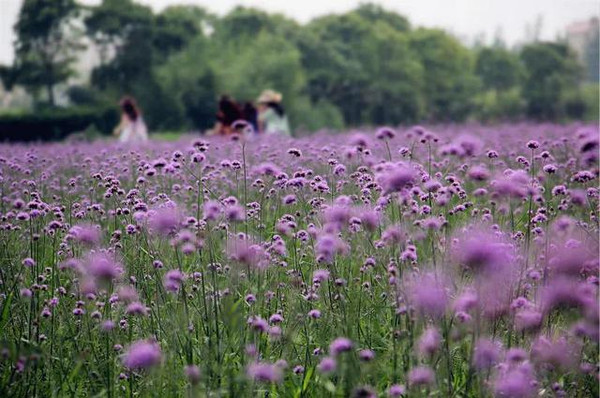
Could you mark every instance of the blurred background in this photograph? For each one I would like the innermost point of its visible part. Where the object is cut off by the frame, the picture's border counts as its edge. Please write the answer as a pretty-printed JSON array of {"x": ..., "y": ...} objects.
[{"x": 64, "y": 64}]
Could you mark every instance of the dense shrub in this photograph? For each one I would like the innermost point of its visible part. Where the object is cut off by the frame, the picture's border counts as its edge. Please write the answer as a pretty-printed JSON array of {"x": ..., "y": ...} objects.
[{"x": 55, "y": 124}]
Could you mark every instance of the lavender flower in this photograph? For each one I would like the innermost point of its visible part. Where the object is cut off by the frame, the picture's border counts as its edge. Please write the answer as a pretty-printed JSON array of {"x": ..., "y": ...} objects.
[
  {"x": 103, "y": 267},
  {"x": 429, "y": 296},
  {"x": 28, "y": 262},
  {"x": 248, "y": 254},
  {"x": 485, "y": 354},
  {"x": 558, "y": 353},
  {"x": 481, "y": 251},
  {"x": 327, "y": 365},
  {"x": 172, "y": 280},
  {"x": 320, "y": 275},
  {"x": 192, "y": 372},
  {"x": 164, "y": 221},
  {"x": 396, "y": 390},
  {"x": 366, "y": 355},
  {"x": 518, "y": 382},
  {"x": 264, "y": 372},
  {"x": 429, "y": 342},
  {"x": 142, "y": 355},
  {"x": 340, "y": 345},
  {"x": 136, "y": 308},
  {"x": 421, "y": 376},
  {"x": 86, "y": 234},
  {"x": 396, "y": 178},
  {"x": 211, "y": 210},
  {"x": 328, "y": 246}
]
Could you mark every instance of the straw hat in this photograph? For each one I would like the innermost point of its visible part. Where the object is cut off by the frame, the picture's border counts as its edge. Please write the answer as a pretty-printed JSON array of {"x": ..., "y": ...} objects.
[{"x": 269, "y": 96}]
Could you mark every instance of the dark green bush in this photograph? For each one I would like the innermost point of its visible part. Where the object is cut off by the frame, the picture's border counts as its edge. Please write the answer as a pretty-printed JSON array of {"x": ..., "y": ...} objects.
[
  {"x": 85, "y": 96},
  {"x": 55, "y": 124}
]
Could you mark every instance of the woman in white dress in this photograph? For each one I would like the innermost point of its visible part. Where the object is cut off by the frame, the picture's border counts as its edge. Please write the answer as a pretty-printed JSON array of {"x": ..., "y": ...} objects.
[{"x": 132, "y": 127}]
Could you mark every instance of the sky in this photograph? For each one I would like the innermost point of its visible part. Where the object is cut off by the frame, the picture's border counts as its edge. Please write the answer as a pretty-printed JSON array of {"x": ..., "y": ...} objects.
[{"x": 464, "y": 18}]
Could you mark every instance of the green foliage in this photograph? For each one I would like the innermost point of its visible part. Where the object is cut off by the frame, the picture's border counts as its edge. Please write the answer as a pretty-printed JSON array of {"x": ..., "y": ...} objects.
[
  {"x": 494, "y": 105},
  {"x": 143, "y": 43},
  {"x": 268, "y": 62},
  {"x": 199, "y": 102},
  {"x": 450, "y": 84},
  {"x": 345, "y": 82},
  {"x": 582, "y": 103},
  {"x": 307, "y": 116},
  {"x": 84, "y": 96},
  {"x": 133, "y": 59},
  {"x": 574, "y": 105},
  {"x": 364, "y": 65},
  {"x": 396, "y": 92},
  {"x": 498, "y": 68},
  {"x": 192, "y": 84},
  {"x": 374, "y": 13},
  {"x": 113, "y": 20},
  {"x": 551, "y": 70},
  {"x": 591, "y": 96},
  {"x": 140, "y": 41},
  {"x": 367, "y": 66},
  {"x": 159, "y": 107},
  {"x": 176, "y": 27},
  {"x": 240, "y": 27}
]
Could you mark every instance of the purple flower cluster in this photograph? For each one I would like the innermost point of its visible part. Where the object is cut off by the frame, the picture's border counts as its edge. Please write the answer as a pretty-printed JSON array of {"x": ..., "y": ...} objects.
[{"x": 457, "y": 260}]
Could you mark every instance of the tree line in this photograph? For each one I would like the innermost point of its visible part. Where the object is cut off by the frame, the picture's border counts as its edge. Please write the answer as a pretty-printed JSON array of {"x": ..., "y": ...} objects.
[{"x": 369, "y": 66}]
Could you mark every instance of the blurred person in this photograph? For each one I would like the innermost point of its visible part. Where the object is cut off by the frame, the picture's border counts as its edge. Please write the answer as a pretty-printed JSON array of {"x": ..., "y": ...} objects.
[
  {"x": 271, "y": 115},
  {"x": 251, "y": 115},
  {"x": 132, "y": 127},
  {"x": 229, "y": 112}
]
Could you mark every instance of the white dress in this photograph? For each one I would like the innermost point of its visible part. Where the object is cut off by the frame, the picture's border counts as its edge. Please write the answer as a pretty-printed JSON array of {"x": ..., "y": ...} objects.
[{"x": 134, "y": 131}]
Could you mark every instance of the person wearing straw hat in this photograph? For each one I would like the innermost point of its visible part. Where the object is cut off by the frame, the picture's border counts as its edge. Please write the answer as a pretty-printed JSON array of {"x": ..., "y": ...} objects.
[{"x": 272, "y": 118}]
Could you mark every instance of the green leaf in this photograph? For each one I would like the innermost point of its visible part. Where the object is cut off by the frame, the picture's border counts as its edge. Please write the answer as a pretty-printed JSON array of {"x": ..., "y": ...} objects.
[
  {"x": 5, "y": 311},
  {"x": 72, "y": 376},
  {"x": 307, "y": 378},
  {"x": 329, "y": 386}
]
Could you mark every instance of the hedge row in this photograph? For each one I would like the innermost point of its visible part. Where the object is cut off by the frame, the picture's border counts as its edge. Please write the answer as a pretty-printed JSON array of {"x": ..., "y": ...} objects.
[{"x": 55, "y": 124}]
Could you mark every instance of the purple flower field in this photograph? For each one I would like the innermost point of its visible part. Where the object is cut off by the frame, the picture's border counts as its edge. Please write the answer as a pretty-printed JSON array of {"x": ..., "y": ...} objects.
[{"x": 460, "y": 261}]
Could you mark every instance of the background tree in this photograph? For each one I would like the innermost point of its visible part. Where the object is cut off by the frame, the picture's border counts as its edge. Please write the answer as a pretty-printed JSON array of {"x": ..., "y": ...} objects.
[
  {"x": 365, "y": 67},
  {"x": 122, "y": 29},
  {"x": 191, "y": 83},
  {"x": 551, "y": 70},
  {"x": 344, "y": 81},
  {"x": 177, "y": 26},
  {"x": 395, "y": 92},
  {"x": 139, "y": 43},
  {"x": 45, "y": 45},
  {"x": 374, "y": 13},
  {"x": 450, "y": 84},
  {"x": 269, "y": 61},
  {"x": 501, "y": 73},
  {"x": 498, "y": 68},
  {"x": 241, "y": 25}
]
